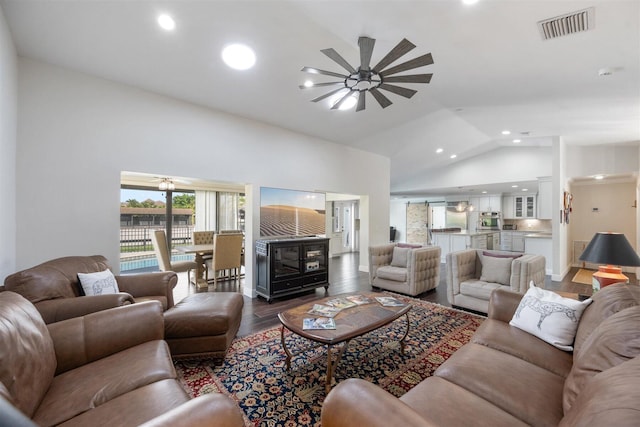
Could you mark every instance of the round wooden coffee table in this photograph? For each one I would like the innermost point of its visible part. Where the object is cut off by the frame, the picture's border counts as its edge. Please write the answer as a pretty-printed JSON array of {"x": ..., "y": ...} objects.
[{"x": 350, "y": 322}]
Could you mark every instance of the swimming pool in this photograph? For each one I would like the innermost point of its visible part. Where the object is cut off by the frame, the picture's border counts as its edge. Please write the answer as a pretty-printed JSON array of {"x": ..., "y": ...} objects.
[{"x": 150, "y": 262}]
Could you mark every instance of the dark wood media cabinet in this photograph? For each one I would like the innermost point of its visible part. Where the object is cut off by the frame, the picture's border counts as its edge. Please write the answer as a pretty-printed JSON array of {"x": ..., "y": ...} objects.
[{"x": 290, "y": 265}]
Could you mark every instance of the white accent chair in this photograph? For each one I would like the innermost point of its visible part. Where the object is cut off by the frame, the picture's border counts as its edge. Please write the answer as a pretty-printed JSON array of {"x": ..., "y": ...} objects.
[
  {"x": 472, "y": 274},
  {"x": 406, "y": 270}
]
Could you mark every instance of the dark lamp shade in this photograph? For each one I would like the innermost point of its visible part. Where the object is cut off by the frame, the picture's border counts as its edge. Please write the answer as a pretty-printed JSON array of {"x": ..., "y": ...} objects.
[{"x": 610, "y": 248}]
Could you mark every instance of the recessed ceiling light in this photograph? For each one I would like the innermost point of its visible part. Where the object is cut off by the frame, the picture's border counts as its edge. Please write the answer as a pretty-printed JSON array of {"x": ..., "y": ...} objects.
[
  {"x": 469, "y": 2},
  {"x": 308, "y": 83},
  {"x": 517, "y": 141},
  {"x": 484, "y": 192},
  {"x": 514, "y": 186},
  {"x": 453, "y": 156},
  {"x": 439, "y": 150},
  {"x": 239, "y": 56},
  {"x": 598, "y": 177},
  {"x": 506, "y": 132},
  {"x": 166, "y": 22},
  {"x": 525, "y": 189}
]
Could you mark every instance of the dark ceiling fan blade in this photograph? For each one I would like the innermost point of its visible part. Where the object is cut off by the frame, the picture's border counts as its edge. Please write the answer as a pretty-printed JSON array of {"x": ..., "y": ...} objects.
[
  {"x": 326, "y": 95},
  {"x": 312, "y": 70},
  {"x": 331, "y": 53},
  {"x": 402, "y": 91},
  {"x": 420, "y": 61},
  {"x": 382, "y": 100},
  {"x": 413, "y": 78},
  {"x": 343, "y": 99},
  {"x": 366, "y": 50},
  {"x": 361, "y": 101},
  {"x": 320, "y": 84},
  {"x": 400, "y": 49}
]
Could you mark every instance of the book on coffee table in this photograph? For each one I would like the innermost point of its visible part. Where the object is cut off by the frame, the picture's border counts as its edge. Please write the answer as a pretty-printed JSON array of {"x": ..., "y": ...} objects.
[
  {"x": 324, "y": 310},
  {"x": 341, "y": 303},
  {"x": 318, "y": 323},
  {"x": 359, "y": 299},
  {"x": 390, "y": 301}
]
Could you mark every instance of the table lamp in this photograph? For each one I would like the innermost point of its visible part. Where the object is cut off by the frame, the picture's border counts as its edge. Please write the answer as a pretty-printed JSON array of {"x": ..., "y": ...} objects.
[{"x": 614, "y": 250}]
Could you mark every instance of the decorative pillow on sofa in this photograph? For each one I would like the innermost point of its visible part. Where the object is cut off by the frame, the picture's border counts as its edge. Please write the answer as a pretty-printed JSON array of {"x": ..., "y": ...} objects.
[
  {"x": 497, "y": 255},
  {"x": 102, "y": 282},
  {"x": 399, "y": 258},
  {"x": 549, "y": 316},
  {"x": 496, "y": 270}
]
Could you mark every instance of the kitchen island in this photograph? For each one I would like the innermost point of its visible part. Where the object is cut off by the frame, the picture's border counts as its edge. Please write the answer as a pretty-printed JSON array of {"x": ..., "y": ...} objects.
[
  {"x": 453, "y": 241},
  {"x": 540, "y": 244}
]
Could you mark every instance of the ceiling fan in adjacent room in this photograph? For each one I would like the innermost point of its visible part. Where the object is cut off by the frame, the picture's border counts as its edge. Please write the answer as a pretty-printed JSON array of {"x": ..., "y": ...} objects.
[{"x": 354, "y": 85}]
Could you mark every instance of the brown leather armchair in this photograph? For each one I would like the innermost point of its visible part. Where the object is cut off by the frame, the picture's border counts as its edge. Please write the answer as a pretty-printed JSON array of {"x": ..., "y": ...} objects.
[
  {"x": 106, "y": 368},
  {"x": 55, "y": 290}
]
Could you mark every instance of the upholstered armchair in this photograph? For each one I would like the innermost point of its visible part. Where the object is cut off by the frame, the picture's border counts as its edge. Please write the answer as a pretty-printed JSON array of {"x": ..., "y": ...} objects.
[
  {"x": 407, "y": 270},
  {"x": 54, "y": 287},
  {"x": 472, "y": 275}
]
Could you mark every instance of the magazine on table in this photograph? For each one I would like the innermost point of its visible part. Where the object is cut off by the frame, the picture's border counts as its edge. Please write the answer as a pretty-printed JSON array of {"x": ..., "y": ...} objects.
[
  {"x": 359, "y": 299},
  {"x": 341, "y": 303},
  {"x": 318, "y": 323},
  {"x": 324, "y": 310},
  {"x": 390, "y": 301}
]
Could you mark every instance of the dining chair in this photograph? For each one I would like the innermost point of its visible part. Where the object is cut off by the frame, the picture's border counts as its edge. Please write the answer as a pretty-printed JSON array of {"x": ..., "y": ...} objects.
[
  {"x": 159, "y": 240},
  {"x": 235, "y": 232},
  {"x": 203, "y": 238},
  {"x": 227, "y": 253}
]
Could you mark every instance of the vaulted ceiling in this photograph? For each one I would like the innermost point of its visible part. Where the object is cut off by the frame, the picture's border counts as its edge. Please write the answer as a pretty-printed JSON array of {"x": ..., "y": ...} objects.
[{"x": 492, "y": 69}]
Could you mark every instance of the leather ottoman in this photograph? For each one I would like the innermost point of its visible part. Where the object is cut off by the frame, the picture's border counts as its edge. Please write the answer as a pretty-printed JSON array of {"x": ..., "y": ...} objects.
[{"x": 203, "y": 324}]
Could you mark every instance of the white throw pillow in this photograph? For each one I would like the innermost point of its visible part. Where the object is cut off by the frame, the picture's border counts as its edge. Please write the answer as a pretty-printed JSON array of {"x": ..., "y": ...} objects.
[
  {"x": 549, "y": 316},
  {"x": 399, "y": 258},
  {"x": 100, "y": 283}
]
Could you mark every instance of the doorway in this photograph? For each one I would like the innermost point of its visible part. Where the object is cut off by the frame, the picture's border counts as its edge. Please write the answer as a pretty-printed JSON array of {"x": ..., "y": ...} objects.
[{"x": 345, "y": 227}]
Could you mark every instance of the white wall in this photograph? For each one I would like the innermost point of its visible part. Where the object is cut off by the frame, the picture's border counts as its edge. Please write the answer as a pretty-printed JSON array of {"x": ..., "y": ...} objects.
[
  {"x": 8, "y": 111},
  {"x": 76, "y": 133},
  {"x": 615, "y": 211},
  {"x": 602, "y": 159}
]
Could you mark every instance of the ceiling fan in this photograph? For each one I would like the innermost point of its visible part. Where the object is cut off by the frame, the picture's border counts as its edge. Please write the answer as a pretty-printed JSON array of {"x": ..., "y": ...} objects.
[{"x": 371, "y": 79}]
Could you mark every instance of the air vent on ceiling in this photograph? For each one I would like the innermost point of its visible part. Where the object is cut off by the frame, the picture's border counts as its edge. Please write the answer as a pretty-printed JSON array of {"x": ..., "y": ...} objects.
[{"x": 570, "y": 23}]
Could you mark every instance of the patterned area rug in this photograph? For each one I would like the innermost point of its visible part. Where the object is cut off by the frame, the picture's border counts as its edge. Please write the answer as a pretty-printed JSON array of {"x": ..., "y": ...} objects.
[{"x": 254, "y": 373}]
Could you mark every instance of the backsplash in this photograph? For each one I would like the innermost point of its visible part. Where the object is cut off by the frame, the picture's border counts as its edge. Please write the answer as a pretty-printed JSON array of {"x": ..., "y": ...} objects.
[{"x": 530, "y": 224}]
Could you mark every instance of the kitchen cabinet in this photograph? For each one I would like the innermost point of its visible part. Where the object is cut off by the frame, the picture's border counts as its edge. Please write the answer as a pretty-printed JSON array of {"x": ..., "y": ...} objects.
[
  {"x": 517, "y": 242},
  {"x": 506, "y": 240},
  {"x": 479, "y": 242},
  {"x": 524, "y": 206},
  {"x": 507, "y": 207},
  {"x": 487, "y": 203},
  {"x": 545, "y": 188}
]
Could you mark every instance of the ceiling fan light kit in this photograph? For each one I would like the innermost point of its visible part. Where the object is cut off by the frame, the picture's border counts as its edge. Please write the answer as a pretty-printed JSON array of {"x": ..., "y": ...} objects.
[{"x": 371, "y": 79}]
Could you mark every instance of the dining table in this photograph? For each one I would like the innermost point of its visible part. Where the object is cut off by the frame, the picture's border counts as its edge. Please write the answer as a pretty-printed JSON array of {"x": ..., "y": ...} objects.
[{"x": 199, "y": 251}]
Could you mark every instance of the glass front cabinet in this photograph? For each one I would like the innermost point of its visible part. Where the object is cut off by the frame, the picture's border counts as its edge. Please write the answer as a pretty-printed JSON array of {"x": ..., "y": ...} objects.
[
  {"x": 291, "y": 265},
  {"x": 524, "y": 206}
]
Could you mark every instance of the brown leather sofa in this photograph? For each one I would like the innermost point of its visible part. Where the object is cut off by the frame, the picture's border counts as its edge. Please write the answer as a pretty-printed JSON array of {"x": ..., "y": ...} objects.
[
  {"x": 106, "y": 368},
  {"x": 202, "y": 324},
  {"x": 507, "y": 377}
]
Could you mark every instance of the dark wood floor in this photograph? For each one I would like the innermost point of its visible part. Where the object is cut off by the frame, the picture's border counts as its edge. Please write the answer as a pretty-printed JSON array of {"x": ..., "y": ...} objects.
[{"x": 345, "y": 277}]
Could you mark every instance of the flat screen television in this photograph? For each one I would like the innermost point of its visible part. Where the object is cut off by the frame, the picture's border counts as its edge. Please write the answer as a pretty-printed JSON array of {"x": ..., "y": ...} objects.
[{"x": 291, "y": 212}]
